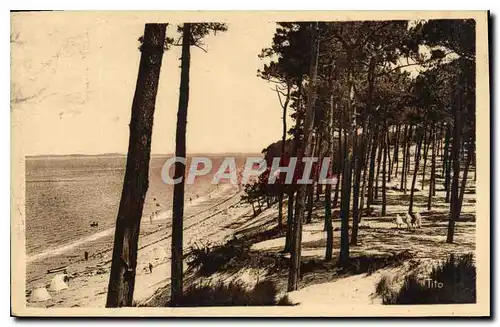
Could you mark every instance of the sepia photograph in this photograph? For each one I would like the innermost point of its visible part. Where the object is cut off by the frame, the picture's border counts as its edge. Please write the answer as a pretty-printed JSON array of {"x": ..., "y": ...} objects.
[{"x": 250, "y": 163}]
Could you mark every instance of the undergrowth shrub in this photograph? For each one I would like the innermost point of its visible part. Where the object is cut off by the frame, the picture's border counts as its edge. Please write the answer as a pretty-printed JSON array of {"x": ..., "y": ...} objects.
[
  {"x": 232, "y": 294},
  {"x": 452, "y": 281},
  {"x": 212, "y": 259}
]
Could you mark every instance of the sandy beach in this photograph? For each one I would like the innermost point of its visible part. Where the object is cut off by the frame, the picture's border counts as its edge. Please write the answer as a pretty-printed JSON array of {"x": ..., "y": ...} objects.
[{"x": 89, "y": 279}]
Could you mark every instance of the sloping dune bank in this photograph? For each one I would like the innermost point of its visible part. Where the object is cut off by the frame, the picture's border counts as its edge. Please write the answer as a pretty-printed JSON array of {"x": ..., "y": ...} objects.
[{"x": 89, "y": 279}]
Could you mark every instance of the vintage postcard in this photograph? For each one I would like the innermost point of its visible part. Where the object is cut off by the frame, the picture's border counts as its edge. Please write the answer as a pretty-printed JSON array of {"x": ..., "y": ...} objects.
[{"x": 250, "y": 164}]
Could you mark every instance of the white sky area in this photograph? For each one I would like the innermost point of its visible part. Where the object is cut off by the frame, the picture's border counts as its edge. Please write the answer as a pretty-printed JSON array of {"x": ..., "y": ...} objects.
[
  {"x": 81, "y": 72},
  {"x": 85, "y": 73}
]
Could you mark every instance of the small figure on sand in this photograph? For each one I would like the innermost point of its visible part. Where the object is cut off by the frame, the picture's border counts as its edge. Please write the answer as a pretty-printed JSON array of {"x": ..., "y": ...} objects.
[
  {"x": 150, "y": 268},
  {"x": 86, "y": 255},
  {"x": 190, "y": 200}
]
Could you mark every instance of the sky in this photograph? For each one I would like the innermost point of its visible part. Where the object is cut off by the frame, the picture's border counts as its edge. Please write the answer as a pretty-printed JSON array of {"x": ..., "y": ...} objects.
[
  {"x": 76, "y": 74},
  {"x": 79, "y": 72}
]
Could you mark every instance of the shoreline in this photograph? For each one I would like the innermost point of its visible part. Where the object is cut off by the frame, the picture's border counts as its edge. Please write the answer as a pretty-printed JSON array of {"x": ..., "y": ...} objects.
[
  {"x": 89, "y": 279},
  {"x": 164, "y": 214}
]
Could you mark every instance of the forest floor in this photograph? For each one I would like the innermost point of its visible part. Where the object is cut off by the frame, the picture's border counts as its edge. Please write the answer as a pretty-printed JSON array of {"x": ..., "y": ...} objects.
[{"x": 379, "y": 240}]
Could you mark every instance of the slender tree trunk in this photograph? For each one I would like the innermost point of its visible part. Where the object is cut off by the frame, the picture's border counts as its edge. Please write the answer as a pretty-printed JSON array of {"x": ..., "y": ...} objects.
[
  {"x": 349, "y": 159},
  {"x": 432, "y": 181},
  {"x": 180, "y": 170},
  {"x": 455, "y": 205},
  {"x": 320, "y": 156},
  {"x": 470, "y": 150},
  {"x": 407, "y": 158},
  {"x": 417, "y": 163},
  {"x": 403, "y": 154},
  {"x": 135, "y": 184},
  {"x": 282, "y": 155},
  {"x": 310, "y": 188},
  {"x": 388, "y": 173},
  {"x": 289, "y": 222},
  {"x": 396, "y": 151},
  {"x": 379, "y": 161},
  {"x": 371, "y": 174},
  {"x": 328, "y": 189},
  {"x": 384, "y": 172},
  {"x": 363, "y": 183},
  {"x": 291, "y": 195},
  {"x": 358, "y": 160},
  {"x": 426, "y": 151},
  {"x": 310, "y": 198},
  {"x": 446, "y": 166},
  {"x": 306, "y": 151},
  {"x": 339, "y": 165}
]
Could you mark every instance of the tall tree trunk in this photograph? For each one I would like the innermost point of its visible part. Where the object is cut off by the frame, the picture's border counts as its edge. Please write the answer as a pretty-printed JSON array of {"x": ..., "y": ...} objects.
[
  {"x": 417, "y": 164},
  {"x": 426, "y": 152},
  {"x": 446, "y": 166},
  {"x": 282, "y": 155},
  {"x": 310, "y": 199},
  {"x": 310, "y": 187},
  {"x": 389, "y": 161},
  {"x": 289, "y": 222},
  {"x": 396, "y": 151},
  {"x": 379, "y": 161},
  {"x": 403, "y": 154},
  {"x": 180, "y": 170},
  {"x": 339, "y": 166},
  {"x": 358, "y": 160},
  {"x": 328, "y": 189},
  {"x": 455, "y": 149},
  {"x": 291, "y": 194},
  {"x": 371, "y": 174},
  {"x": 448, "y": 177},
  {"x": 359, "y": 157},
  {"x": 384, "y": 172},
  {"x": 432, "y": 182},
  {"x": 346, "y": 181},
  {"x": 407, "y": 157},
  {"x": 470, "y": 150},
  {"x": 319, "y": 155},
  {"x": 363, "y": 183},
  {"x": 306, "y": 151},
  {"x": 136, "y": 182}
]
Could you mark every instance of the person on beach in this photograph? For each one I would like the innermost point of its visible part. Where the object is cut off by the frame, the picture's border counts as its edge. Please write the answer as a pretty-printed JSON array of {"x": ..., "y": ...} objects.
[
  {"x": 86, "y": 255},
  {"x": 190, "y": 200},
  {"x": 150, "y": 268}
]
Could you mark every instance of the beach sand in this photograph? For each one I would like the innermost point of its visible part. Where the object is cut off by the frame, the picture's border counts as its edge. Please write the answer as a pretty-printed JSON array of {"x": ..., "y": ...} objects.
[{"x": 205, "y": 219}]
